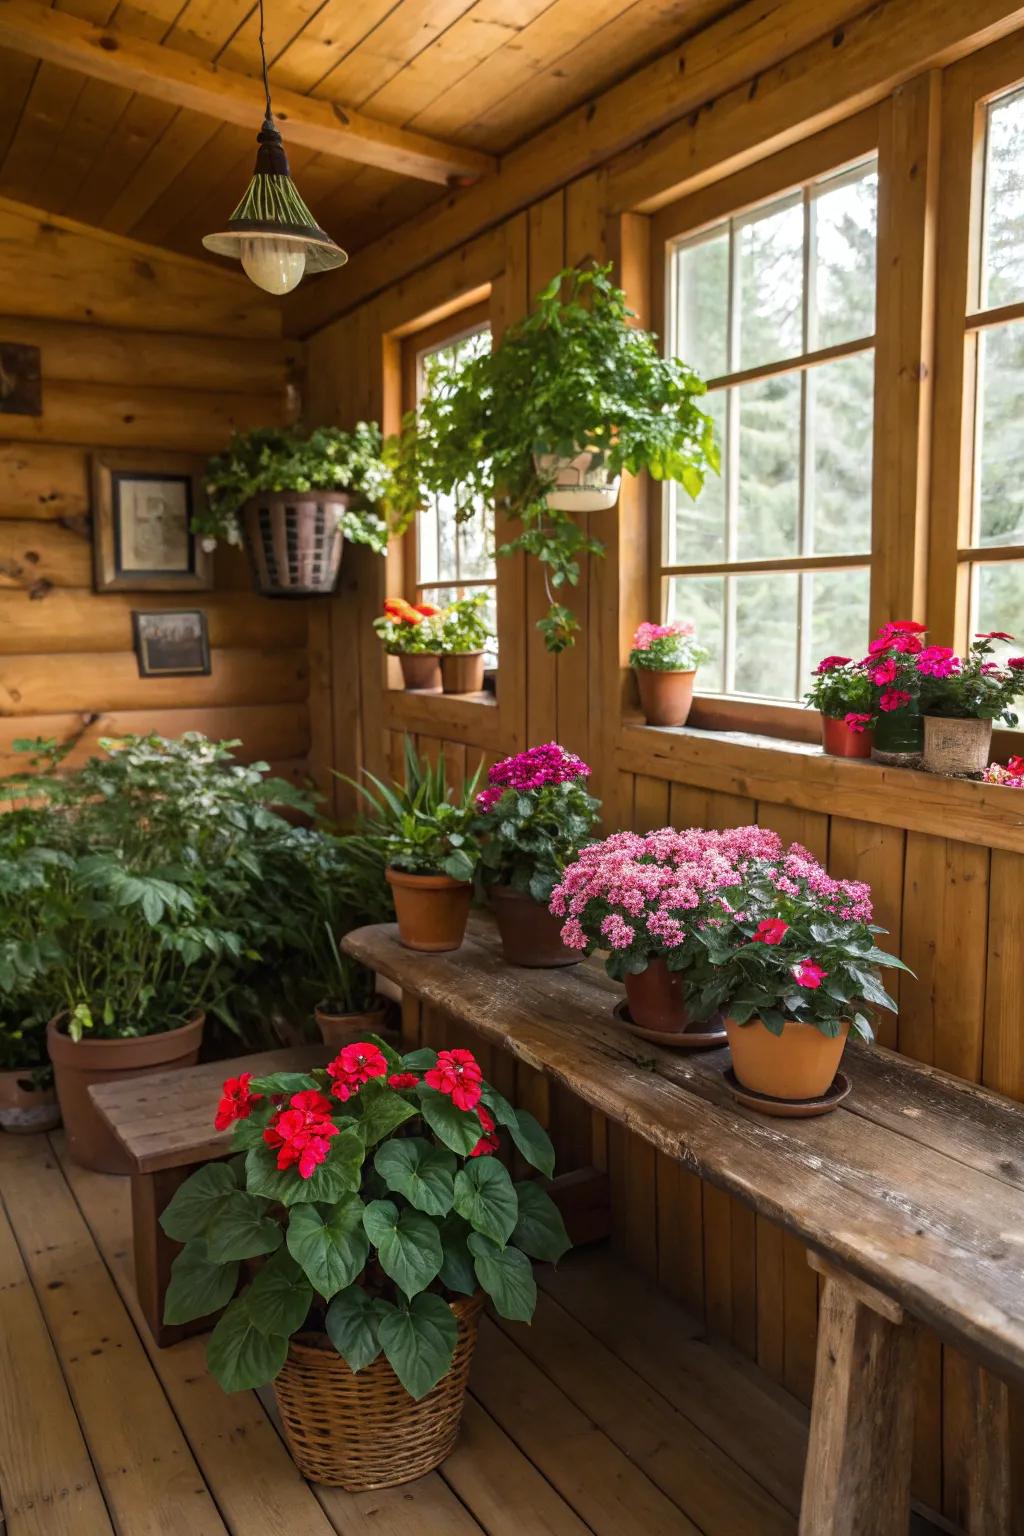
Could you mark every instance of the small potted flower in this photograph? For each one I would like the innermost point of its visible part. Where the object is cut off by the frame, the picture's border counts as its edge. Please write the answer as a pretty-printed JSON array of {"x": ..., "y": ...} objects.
[
  {"x": 665, "y": 658},
  {"x": 960, "y": 699},
  {"x": 535, "y": 816},
  {"x": 465, "y": 635},
  {"x": 892, "y": 667},
  {"x": 411, "y": 631},
  {"x": 1011, "y": 776},
  {"x": 368, "y": 1220},
  {"x": 843, "y": 693}
]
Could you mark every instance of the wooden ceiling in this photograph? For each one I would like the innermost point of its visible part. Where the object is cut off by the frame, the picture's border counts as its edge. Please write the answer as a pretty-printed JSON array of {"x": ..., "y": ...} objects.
[{"x": 118, "y": 149}]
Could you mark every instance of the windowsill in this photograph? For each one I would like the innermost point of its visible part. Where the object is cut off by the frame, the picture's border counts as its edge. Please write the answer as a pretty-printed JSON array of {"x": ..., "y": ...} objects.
[{"x": 472, "y": 718}]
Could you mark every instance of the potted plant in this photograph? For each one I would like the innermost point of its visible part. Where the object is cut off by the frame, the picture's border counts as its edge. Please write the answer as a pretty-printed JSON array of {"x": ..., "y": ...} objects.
[
  {"x": 843, "y": 692},
  {"x": 293, "y": 498},
  {"x": 891, "y": 666},
  {"x": 465, "y": 635},
  {"x": 543, "y": 426},
  {"x": 665, "y": 658},
  {"x": 1011, "y": 776},
  {"x": 412, "y": 632},
  {"x": 373, "y": 1220},
  {"x": 535, "y": 815},
  {"x": 28, "y": 953},
  {"x": 960, "y": 698}
]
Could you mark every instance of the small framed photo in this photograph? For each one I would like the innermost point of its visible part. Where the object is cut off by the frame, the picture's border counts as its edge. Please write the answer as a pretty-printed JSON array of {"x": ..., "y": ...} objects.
[
  {"x": 172, "y": 643},
  {"x": 142, "y": 514}
]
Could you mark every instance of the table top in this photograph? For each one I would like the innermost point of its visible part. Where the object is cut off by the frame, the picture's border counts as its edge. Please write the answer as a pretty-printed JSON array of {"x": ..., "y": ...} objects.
[{"x": 914, "y": 1185}]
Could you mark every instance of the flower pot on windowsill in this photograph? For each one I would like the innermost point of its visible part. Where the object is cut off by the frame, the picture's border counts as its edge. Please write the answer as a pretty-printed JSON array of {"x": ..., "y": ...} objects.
[
  {"x": 432, "y": 910},
  {"x": 294, "y": 541},
  {"x": 801, "y": 1063},
  {"x": 462, "y": 672},
  {"x": 24, "y": 1108},
  {"x": 956, "y": 747},
  {"x": 899, "y": 738},
  {"x": 338, "y": 1027},
  {"x": 421, "y": 671},
  {"x": 665, "y": 697},
  {"x": 838, "y": 740},
  {"x": 530, "y": 934},
  {"x": 582, "y": 483}
]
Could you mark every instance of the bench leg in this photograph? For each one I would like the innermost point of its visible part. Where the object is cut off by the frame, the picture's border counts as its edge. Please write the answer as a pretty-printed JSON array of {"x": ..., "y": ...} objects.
[
  {"x": 857, "y": 1478},
  {"x": 987, "y": 1496},
  {"x": 154, "y": 1252}
]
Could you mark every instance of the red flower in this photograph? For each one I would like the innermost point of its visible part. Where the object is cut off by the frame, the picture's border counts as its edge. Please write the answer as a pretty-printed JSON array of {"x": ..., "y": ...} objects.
[
  {"x": 489, "y": 1142},
  {"x": 1017, "y": 663},
  {"x": 829, "y": 663},
  {"x": 876, "y": 647},
  {"x": 353, "y": 1066},
  {"x": 910, "y": 644},
  {"x": 997, "y": 634},
  {"x": 902, "y": 627},
  {"x": 457, "y": 1074},
  {"x": 236, "y": 1101},
  {"x": 300, "y": 1136},
  {"x": 893, "y": 698},
  {"x": 857, "y": 723},
  {"x": 809, "y": 974},
  {"x": 884, "y": 673},
  {"x": 403, "y": 1080},
  {"x": 771, "y": 931},
  {"x": 938, "y": 661},
  {"x": 428, "y": 610},
  {"x": 309, "y": 1099},
  {"x": 1016, "y": 764}
]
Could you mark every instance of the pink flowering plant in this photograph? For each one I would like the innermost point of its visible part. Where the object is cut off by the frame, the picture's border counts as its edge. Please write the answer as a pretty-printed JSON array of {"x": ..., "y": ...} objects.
[
  {"x": 973, "y": 687},
  {"x": 535, "y": 815},
  {"x": 1010, "y": 775},
  {"x": 891, "y": 664},
  {"x": 842, "y": 690},
  {"x": 365, "y": 1196},
  {"x": 668, "y": 648}
]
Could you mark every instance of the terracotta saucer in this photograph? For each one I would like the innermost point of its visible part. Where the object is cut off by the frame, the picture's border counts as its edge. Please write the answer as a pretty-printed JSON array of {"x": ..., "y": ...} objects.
[
  {"x": 675, "y": 1039},
  {"x": 789, "y": 1109}
]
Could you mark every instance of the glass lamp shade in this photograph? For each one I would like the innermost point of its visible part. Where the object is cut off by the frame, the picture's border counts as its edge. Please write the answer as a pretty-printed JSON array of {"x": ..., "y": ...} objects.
[{"x": 273, "y": 262}]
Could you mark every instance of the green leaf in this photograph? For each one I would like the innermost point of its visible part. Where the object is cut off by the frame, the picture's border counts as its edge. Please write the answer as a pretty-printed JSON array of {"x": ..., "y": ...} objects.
[
  {"x": 457, "y": 1272},
  {"x": 242, "y": 1356},
  {"x": 339, "y": 1175},
  {"x": 194, "y": 1205},
  {"x": 329, "y": 1243},
  {"x": 533, "y": 1142},
  {"x": 247, "y": 1133},
  {"x": 424, "y": 1174},
  {"x": 408, "y": 1244},
  {"x": 485, "y": 1196},
  {"x": 419, "y": 1342},
  {"x": 199, "y": 1285},
  {"x": 351, "y": 1325},
  {"x": 419, "y": 1061},
  {"x": 382, "y": 1111},
  {"x": 458, "y": 1129},
  {"x": 280, "y": 1297},
  {"x": 241, "y": 1230},
  {"x": 507, "y": 1277},
  {"x": 284, "y": 1082},
  {"x": 540, "y": 1230}
]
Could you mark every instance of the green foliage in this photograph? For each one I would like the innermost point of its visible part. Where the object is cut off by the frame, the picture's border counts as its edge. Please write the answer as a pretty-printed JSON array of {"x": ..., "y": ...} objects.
[
  {"x": 529, "y": 836},
  {"x": 422, "y": 825},
  {"x": 463, "y": 627},
  {"x": 841, "y": 690},
  {"x": 979, "y": 689}
]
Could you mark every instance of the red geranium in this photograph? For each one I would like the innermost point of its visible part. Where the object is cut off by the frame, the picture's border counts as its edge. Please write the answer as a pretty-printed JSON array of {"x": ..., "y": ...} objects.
[
  {"x": 771, "y": 931},
  {"x": 808, "y": 973},
  {"x": 402, "y": 1080},
  {"x": 301, "y": 1134},
  {"x": 353, "y": 1066},
  {"x": 998, "y": 634},
  {"x": 236, "y": 1101},
  {"x": 857, "y": 723},
  {"x": 457, "y": 1074},
  {"x": 489, "y": 1141},
  {"x": 893, "y": 698}
]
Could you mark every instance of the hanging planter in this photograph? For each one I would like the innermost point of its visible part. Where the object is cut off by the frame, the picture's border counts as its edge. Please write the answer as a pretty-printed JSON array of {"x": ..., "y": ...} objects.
[
  {"x": 581, "y": 483},
  {"x": 294, "y": 542}
]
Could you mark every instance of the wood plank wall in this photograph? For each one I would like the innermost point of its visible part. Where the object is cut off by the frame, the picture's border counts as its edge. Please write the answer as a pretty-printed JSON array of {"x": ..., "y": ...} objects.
[{"x": 148, "y": 351}]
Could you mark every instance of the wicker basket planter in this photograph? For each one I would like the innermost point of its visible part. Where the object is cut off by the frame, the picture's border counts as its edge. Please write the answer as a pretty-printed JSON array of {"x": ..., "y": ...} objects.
[
  {"x": 294, "y": 542},
  {"x": 365, "y": 1431},
  {"x": 956, "y": 746}
]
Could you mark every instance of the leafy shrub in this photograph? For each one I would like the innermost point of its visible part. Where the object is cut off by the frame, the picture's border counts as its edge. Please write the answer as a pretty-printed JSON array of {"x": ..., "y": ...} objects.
[{"x": 535, "y": 815}]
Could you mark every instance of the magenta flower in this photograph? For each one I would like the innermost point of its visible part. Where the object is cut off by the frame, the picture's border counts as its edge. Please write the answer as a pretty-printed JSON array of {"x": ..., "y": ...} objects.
[
  {"x": 771, "y": 931},
  {"x": 938, "y": 661},
  {"x": 808, "y": 974},
  {"x": 549, "y": 764},
  {"x": 857, "y": 723},
  {"x": 829, "y": 663},
  {"x": 893, "y": 699},
  {"x": 884, "y": 673}
]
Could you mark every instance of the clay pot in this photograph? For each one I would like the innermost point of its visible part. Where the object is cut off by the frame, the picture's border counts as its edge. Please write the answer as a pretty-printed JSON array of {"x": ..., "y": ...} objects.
[
  {"x": 801, "y": 1063},
  {"x": 76, "y": 1066},
  {"x": 665, "y": 697},
  {"x": 338, "y": 1029},
  {"x": 530, "y": 934},
  {"x": 656, "y": 999},
  {"x": 24, "y": 1108},
  {"x": 463, "y": 672},
  {"x": 432, "y": 910},
  {"x": 956, "y": 746},
  {"x": 839, "y": 741},
  {"x": 422, "y": 672}
]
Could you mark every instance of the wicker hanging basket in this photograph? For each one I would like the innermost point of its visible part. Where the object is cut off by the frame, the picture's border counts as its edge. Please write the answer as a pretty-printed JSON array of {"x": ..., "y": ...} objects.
[
  {"x": 294, "y": 542},
  {"x": 364, "y": 1431}
]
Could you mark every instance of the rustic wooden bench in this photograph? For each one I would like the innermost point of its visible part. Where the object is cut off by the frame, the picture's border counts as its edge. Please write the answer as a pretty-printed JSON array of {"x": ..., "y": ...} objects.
[{"x": 910, "y": 1198}]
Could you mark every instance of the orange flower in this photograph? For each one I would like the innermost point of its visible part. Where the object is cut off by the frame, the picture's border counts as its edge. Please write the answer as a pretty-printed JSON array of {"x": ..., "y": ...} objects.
[{"x": 428, "y": 610}]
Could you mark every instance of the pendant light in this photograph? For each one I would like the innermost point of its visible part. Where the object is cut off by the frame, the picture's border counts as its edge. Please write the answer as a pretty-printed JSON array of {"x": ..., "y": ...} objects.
[{"x": 272, "y": 232}]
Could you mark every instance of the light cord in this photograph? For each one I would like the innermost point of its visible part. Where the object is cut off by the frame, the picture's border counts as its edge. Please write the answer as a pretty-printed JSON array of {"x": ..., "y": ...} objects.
[{"x": 263, "y": 56}]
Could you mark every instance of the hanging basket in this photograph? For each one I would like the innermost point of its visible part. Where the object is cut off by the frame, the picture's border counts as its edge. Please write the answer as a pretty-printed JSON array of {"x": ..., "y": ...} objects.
[
  {"x": 294, "y": 542},
  {"x": 582, "y": 483},
  {"x": 365, "y": 1431},
  {"x": 956, "y": 746}
]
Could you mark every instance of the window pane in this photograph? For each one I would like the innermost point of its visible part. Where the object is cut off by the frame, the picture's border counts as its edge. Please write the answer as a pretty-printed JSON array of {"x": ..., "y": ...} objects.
[
  {"x": 999, "y": 447},
  {"x": 475, "y": 542},
  {"x": 769, "y": 253},
  {"x": 702, "y": 304},
  {"x": 997, "y": 591},
  {"x": 844, "y": 216},
  {"x": 840, "y": 410},
  {"x": 695, "y": 530},
  {"x": 446, "y": 550},
  {"x": 1002, "y": 278},
  {"x": 769, "y": 468},
  {"x": 838, "y": 606},
  {"x": 765, "y": 619},
  {"x": 701, "y": 598}
]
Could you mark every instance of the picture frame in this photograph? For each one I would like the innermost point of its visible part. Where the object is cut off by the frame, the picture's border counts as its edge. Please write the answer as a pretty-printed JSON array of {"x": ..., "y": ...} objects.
[
  {"x": 171, "y": 642},
  {"x": 142, "y": 508}
]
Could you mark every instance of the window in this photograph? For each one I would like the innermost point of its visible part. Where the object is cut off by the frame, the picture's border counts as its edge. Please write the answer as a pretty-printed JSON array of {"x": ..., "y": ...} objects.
[{"x": 775, "y": 307}]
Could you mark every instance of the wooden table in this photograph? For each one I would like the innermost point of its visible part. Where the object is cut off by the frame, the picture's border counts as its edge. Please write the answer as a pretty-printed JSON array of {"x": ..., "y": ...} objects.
[{"x": 910, "y": 1198}]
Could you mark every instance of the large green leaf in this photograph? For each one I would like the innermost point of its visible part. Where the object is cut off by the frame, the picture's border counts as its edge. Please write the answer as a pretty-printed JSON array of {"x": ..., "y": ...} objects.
[
  {"x": 248, "y": 1132},
  {"x": 199, "y": 1285},
  {"x": 194, "y": 1205},
  {"x": 458, "y": 1129},
  {"x": 242, "y": 1230},
  {"x": 507, "y": 1277},
  {"x": 351, "y": 1325},
  {"x": 540, "y": 1230},
  {"x": 533, "y": 1142},
  {"x": 408, "y": 1244},
  {"x": 280, "y": 1296},
  {"x": 338, "y": 1175},
  {"x": 242, "y": 1356},
  {"x": 329, "y": 1243},
  {"x": 485, "y": 1196},
  {"x": 382, "y": 1111},
  {"x": 420, "y": 1060},
  {"x": 423, "y": 1173},
  {"x": 418, "y": 1341},
  {"x": 457, "y": 1272},
  {"x": 285, "y": 1083}
]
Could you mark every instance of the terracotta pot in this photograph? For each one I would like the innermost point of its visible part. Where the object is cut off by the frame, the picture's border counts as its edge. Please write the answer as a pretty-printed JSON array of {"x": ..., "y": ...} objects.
[
  {"x": 582, "y": 484},
  {"x": 956, "y": 746},
  {"x": 655, "y": 999},
  {"x": 801, "y": 1063},
  {"x": 665, "y": 697},
  {"x": 338, "y": 1029},
  {"x": 25, "y": 1109},
  {"x": 432, "y": 910},
  {"x": 294, "y": 540},
  {"x": 839, "y": 741},
  {"x": 463, "y": 672},
  {"x": 898, "y": 738},
  {"x": 530, "y": 934},
  {"x": 423, "y": 672},
  {"x": 76, "y": 1067}
]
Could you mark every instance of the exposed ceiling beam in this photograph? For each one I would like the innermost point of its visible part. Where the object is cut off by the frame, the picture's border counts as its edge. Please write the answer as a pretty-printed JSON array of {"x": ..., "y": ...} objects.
[{"x": 107, "y": 54}]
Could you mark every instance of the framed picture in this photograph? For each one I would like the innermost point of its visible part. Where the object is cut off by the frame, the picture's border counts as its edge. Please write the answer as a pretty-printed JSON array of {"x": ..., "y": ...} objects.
[
  {"x": 21, "y": 388},
  {"x": 142, "y": 513},
  {"x": 171, "y": 642}
]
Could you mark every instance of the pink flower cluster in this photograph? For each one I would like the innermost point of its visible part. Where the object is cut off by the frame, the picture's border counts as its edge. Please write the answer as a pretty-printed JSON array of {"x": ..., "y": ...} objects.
[
  {"x": 647, "y": 633},
  {"x": 549, "y": 764},
  {"x": 1011, "y": 777}
]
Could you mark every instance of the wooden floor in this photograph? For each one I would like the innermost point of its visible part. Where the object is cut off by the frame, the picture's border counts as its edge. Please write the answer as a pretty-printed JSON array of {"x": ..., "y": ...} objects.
[{"x": 610, "y": 1415}]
